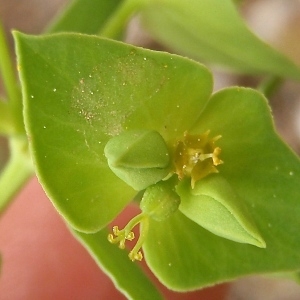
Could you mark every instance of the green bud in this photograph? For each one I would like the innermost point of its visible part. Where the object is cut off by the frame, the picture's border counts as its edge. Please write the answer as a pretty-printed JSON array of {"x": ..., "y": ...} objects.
[
  {"x": 214, "y": 205},
  {"x": 138, "y": 157},
  {"x": 160, "y": 200}
]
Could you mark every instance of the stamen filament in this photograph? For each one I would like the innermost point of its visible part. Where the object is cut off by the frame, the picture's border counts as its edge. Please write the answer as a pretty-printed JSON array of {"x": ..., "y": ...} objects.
[
  {"x": 120, "y": 236},
  {"x": 203, "y": 157},
  {"x": 135, "y": 253}
]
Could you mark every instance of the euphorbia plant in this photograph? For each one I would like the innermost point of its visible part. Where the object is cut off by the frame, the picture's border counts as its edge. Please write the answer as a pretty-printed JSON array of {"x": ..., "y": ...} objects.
[
  {"x": 108, "y": 121},
  {"x": 109, "y": 124}
]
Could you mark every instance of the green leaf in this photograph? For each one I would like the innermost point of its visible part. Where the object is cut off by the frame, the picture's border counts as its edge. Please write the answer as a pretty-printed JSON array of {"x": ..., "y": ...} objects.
[
  {"x": 214, "y": 205},
  {"x": 128, "y": 277},
  {"x": 79, "y": 92},
  {"x": 116, "y": 25},
  {"x": 84, "y": 16},
  {"x": 264, "y": 173},
  {"x": 213, "y": 31}
]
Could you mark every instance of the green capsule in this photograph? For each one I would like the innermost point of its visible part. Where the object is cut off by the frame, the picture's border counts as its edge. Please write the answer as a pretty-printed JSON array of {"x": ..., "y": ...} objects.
[
  {"x": 138, "y": 157},
  {"x": 160, "y": 200},
  {"x": 214, "y": 205}
]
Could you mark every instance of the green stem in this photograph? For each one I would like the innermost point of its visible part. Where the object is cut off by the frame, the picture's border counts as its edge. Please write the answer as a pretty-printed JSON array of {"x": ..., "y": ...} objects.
[
  {"x": 270, "y": 85},
  {"x": 238, "y": 2},
  {"x": 15, "y": 174},
  {"x": 115, "y": 25},
  {"x": 10, "y": 83},
  {"x": 6, "y": 123}
]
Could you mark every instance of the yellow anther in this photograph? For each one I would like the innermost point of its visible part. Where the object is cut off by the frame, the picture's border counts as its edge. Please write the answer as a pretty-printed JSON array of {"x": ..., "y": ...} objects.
[
  {"x": 216, "y": 160},
  {"x": 110, "y": 238},
  {"x": 120, "y": 236},
  {"x": 135, "y": 256},
  {"x": 130, "y": 236},
  {"x": 196, "y": 156},
  {"x": 116, "y": 230}
]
